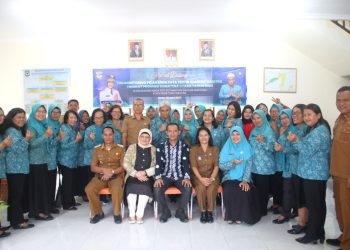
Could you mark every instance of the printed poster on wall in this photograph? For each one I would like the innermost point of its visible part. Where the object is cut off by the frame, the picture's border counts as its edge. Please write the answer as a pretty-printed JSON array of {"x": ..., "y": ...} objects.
[
  {"x": 46, "y": 86},
  {"x": 179, "y": 86}
]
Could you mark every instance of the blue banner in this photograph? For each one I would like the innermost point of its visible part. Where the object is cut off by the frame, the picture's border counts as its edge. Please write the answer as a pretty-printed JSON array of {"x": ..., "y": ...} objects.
[{"x": 180, "y": 86}]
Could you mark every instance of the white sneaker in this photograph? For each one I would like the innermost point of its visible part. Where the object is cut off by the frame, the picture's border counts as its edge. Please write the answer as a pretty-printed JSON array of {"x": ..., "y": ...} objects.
[
  {"x": 132, "y": 220},
  {"x": 139, "y": 220}
]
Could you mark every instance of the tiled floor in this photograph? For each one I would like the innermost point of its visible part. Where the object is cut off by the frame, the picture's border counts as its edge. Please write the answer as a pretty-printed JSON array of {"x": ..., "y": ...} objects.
[{"x": 72, "y": 230}]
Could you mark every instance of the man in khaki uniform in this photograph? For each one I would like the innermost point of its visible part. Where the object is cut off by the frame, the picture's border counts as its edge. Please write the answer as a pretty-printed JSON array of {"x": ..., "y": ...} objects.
[
  {"x": 133, "y": 124},
  {"x": 107, "y": 163},
  {"x": 340, "y": 168}
]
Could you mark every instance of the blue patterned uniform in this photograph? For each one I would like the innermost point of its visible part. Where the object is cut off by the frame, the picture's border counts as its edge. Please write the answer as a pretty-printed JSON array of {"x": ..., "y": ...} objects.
[
  {"x": 263, "y": 158},
  {"x": 235, "y": 122},
  {"x": 157, "y": 136},
  {"x": 38, "y": 153},
  {"x": 291, "y": 153},
  {"x": 68, "y": 149},
  {"x": 2, "y": 162},
  {"x": 52, "y": 146},
  {"x": 226, "y": 167},
  {"x": 81, "y": 149},
  {"x": 219, "y": 137},
  {"x": 117, "y": 132},
  {"x": 90, "y": 145},
  {"x": 314, "y": 150},
  {"x": 17, "y": 156}
]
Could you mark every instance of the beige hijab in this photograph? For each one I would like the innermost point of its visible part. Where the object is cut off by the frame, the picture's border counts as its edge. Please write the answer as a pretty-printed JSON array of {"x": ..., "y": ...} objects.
[{"x": 147, "y": 131}]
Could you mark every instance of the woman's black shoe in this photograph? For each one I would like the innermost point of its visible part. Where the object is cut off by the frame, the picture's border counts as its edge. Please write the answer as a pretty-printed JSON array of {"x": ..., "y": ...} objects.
[
  {"x": 203, "y": 218},
  {"x": 5, "y": 228},
  {"x": 209, "y": 216},
  {"x": 23, "y": 226},
  {"x": 70, "y": 208},
  {"x": 306, "y": 240},
  {"x": 298, "y": 229},
  {"x": 277, "y": 221},
  {"x": 55, "y": 211},
  {"x": 45, "y": 218}
]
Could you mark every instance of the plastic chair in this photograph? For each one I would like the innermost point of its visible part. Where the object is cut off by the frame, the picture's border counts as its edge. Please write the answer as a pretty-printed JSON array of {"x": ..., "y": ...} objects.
[
  {"x": 106, "y": 191},
  {"x": 171, "y": 191},
  {"x": 220, "y": 191}
]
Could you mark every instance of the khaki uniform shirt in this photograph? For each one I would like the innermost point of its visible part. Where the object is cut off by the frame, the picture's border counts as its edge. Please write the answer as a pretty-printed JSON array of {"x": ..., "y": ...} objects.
[
  {"x": 204, "y": 161},
  {"x": 132, "y": 126},
  {"x": 112, "y": 158},
  {"x": 340, "y": 157}
]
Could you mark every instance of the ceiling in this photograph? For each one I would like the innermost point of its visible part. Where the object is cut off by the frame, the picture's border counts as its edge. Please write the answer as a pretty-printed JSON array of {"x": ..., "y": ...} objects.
[{"x": 22, "y": 19}]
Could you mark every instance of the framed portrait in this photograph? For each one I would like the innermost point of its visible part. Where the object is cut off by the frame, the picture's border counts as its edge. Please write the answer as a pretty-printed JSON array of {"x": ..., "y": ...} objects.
[
  {"x": 135, "y": 50},
  {"x": 206, "y": 49},
  {"x": 280, "y": 80},
  {"x": 171, "y": 57}
]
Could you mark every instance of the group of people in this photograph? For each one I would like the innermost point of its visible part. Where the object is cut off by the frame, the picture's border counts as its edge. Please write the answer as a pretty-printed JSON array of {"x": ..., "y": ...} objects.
[{"x": 253, "y": 153}]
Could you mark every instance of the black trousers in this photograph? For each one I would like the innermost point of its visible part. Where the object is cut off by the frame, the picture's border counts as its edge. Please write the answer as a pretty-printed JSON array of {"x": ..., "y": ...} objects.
[
  {"x": 67, "y": 187},
  {"x": 82, "y": 176},
  {"x": 159, "y": 193},
  {"x": 16, "y": 198},
  {"x": 52, "y": 176},
  {"x": 38, "y": 189},
  {"x": 288, "y": 197},
  {"x": 298, "y": 191},
  {"x": 262, "y": 183},
  {"x": 315, "y": 199},
  {"x": 276, "y": 189}
]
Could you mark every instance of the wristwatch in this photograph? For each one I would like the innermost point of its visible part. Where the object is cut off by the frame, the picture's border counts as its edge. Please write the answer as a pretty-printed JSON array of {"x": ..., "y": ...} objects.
[{"x": 212, "y": 179}]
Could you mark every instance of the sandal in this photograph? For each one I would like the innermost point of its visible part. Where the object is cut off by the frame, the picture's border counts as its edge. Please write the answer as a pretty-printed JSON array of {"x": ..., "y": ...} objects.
[{"x": 23, "y": 225}]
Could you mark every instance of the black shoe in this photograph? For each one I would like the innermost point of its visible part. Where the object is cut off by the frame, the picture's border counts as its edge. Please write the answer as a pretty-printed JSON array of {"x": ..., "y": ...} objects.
[
  {"x": 203, "y": 218},
  {"x": 277, "y": 221},
  {"x": 306, "y": 240},
  {"x": 333, "y": 242},
  {"x": 117, "y": 219},
  {"x": 77, "y": 204},
  {"x": 209, "y": 216},
  {"x": 97, "y": 218},
  {"x": 4, "y": 234},
  {"x": 165, "y": 216},
  {"x": 55, "y": 211},
  {"x": 297, "y": 229},
  {"x": 44, "y": 218},
  {"x": 293, "y": 215},
  {"x": 180, "y": 214},
  {"x": 72, "y": 208},
  {"x": 5, "y": 228},
  {"x": 23, "y": 226}
]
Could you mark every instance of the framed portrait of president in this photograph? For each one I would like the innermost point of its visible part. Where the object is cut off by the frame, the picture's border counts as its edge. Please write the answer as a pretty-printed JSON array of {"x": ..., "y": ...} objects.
[
  {"x": 135, "y": 50},
  {"x": 207, "y": 49}
]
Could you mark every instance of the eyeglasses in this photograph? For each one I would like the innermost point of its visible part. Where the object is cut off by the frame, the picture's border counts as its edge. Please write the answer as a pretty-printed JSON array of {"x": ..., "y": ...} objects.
[
  {"x": 296, "y": 113},
  {"x": 98, "y": 118}
]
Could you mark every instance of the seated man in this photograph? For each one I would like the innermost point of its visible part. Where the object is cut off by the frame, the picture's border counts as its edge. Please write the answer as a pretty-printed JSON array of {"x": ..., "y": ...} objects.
[
  {"x": 172, "y": 168},
  {"x": 107, "y": 163}
]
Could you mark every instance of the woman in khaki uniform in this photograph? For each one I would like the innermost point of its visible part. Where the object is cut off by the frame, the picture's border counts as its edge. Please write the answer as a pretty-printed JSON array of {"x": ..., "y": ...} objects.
[{"x": 204, "y": 158}]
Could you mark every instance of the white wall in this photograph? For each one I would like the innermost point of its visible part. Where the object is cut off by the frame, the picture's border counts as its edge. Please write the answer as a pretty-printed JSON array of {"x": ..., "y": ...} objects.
[{"x": 104, "y": 50}]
